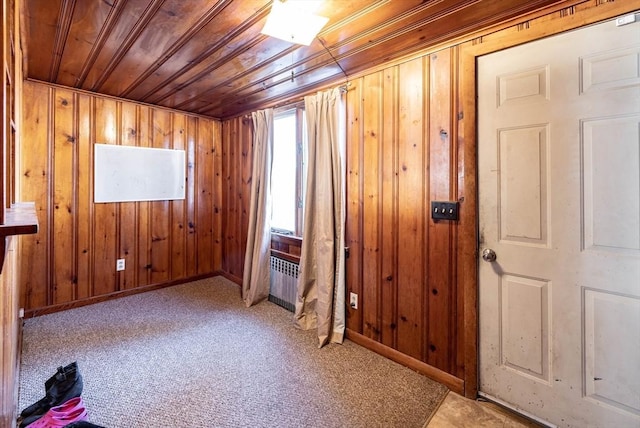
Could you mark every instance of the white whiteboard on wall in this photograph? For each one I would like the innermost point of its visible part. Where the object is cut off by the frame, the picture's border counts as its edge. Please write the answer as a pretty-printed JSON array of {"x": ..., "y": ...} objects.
[{"x": 127, "y": 174}]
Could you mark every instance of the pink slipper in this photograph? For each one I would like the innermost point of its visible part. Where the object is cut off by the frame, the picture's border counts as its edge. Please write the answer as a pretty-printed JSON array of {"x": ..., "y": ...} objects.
[{"x": 62, "y": 415}]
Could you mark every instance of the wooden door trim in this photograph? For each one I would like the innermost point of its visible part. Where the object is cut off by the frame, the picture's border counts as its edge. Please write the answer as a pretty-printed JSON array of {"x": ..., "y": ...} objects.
[{"x": 544, "y": 26}]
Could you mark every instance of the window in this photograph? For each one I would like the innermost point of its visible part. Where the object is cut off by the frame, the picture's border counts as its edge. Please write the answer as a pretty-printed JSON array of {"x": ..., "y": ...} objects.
[{"x": 288, "y": 172}]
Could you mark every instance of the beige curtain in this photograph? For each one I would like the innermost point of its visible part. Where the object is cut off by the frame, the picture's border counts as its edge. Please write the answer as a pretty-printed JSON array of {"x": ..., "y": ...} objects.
[
  {"x": 320, "y": 300},
  {"x": 255, "y": 281}
]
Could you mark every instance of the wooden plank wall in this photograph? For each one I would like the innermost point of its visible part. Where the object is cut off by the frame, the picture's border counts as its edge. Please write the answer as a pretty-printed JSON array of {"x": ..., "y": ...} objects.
[
  {"x": 73, "y": 257},
  {"x": 401, "y": 155},
  {"x": 11, "y": 333},
  {"x": 237, "y": 155}
]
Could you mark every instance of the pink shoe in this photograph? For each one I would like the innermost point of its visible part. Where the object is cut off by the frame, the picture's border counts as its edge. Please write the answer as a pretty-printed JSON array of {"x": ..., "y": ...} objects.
[{"x": 62, "y": 415}]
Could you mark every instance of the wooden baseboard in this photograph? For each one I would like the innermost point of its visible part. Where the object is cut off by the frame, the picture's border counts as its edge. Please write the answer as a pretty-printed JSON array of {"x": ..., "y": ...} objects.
[
  {"x": 231, "y": 277},
  {"x": 453, "y": 383},
  {"x": 115, "y": 295}
]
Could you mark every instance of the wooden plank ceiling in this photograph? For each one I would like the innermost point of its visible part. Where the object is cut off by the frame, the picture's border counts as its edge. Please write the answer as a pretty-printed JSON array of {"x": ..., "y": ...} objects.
[{"x": 209, "y": 57}]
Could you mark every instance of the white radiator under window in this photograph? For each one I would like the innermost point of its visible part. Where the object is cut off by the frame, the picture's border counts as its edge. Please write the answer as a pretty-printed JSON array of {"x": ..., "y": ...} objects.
[{"x": 284, "y": 278}]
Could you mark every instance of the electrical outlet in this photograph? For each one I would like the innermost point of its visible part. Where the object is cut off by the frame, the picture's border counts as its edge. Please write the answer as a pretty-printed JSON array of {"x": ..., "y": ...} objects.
[
  {"x": 21, "y": 313},
  {"x": 120, "y": 265},
  {"x": 627, "y": 19},
  {"x": 353, "y": 300}
]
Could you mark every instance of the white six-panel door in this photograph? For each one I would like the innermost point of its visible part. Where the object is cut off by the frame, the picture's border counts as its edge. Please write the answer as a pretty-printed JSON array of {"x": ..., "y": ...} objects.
[{"x": 559, "y": 192}]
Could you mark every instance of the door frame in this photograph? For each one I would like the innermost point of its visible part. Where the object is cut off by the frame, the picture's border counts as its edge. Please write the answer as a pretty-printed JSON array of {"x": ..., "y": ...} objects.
[{"x": 553, "y": 23}]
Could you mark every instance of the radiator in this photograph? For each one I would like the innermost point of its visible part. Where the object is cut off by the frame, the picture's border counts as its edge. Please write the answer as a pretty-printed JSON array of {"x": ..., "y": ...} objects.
[{"x": 284, "y": 278}]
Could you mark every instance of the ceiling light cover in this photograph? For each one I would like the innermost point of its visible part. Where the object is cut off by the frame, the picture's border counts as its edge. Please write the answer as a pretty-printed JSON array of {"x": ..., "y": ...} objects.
[{"x": 292, "y": 23}]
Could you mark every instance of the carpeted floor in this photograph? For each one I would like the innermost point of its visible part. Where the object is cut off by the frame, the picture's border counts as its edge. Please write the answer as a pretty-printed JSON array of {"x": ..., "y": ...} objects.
[{"x": 193, "y": 356}]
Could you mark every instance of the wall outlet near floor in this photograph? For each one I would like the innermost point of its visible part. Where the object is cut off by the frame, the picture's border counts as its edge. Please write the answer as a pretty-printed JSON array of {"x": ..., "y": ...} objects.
[
  {"x": 353, "y": 300},
  {"x": 624, "y": 20},
  {"x": 21, "y": 313},
  {"x": 120, "y": 264}
]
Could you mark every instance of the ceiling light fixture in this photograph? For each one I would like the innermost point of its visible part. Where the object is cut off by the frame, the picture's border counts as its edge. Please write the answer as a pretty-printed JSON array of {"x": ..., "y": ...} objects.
[{"x": 293, "y": 22}]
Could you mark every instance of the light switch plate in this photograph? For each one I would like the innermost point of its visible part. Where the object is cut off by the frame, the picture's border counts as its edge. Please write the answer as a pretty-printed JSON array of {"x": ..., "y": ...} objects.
[{"x": 445, "y": 210}]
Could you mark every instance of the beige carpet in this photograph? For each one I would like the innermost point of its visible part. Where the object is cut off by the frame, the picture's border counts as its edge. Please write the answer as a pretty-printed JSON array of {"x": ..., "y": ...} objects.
[{"x": 193, "y": 356}]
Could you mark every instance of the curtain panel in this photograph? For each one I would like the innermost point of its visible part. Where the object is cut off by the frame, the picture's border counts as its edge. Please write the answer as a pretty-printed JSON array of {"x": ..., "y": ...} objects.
[
  {"x": 320, "y": 300},
  {"x": 255, "y": 279}
]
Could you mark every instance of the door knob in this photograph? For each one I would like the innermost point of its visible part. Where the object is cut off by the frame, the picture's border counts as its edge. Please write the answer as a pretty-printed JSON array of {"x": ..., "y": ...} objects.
[{"x": 488, "y": 255}]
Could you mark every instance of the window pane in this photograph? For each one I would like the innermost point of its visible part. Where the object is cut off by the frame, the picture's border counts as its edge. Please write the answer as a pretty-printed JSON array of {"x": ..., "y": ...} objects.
[{"x": 283, "y": 173}]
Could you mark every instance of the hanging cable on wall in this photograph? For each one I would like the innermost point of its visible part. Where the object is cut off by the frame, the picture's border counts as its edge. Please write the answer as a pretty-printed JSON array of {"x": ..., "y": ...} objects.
[{"x": 346, "y": 85}]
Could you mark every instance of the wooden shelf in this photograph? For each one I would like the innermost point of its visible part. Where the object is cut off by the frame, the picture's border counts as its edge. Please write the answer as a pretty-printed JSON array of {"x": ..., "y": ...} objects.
[{"x": 20, "y": 219}]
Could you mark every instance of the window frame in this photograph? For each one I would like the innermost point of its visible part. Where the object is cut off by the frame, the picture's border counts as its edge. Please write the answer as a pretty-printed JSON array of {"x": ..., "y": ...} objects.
[{"x": 298, "y": 111}]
